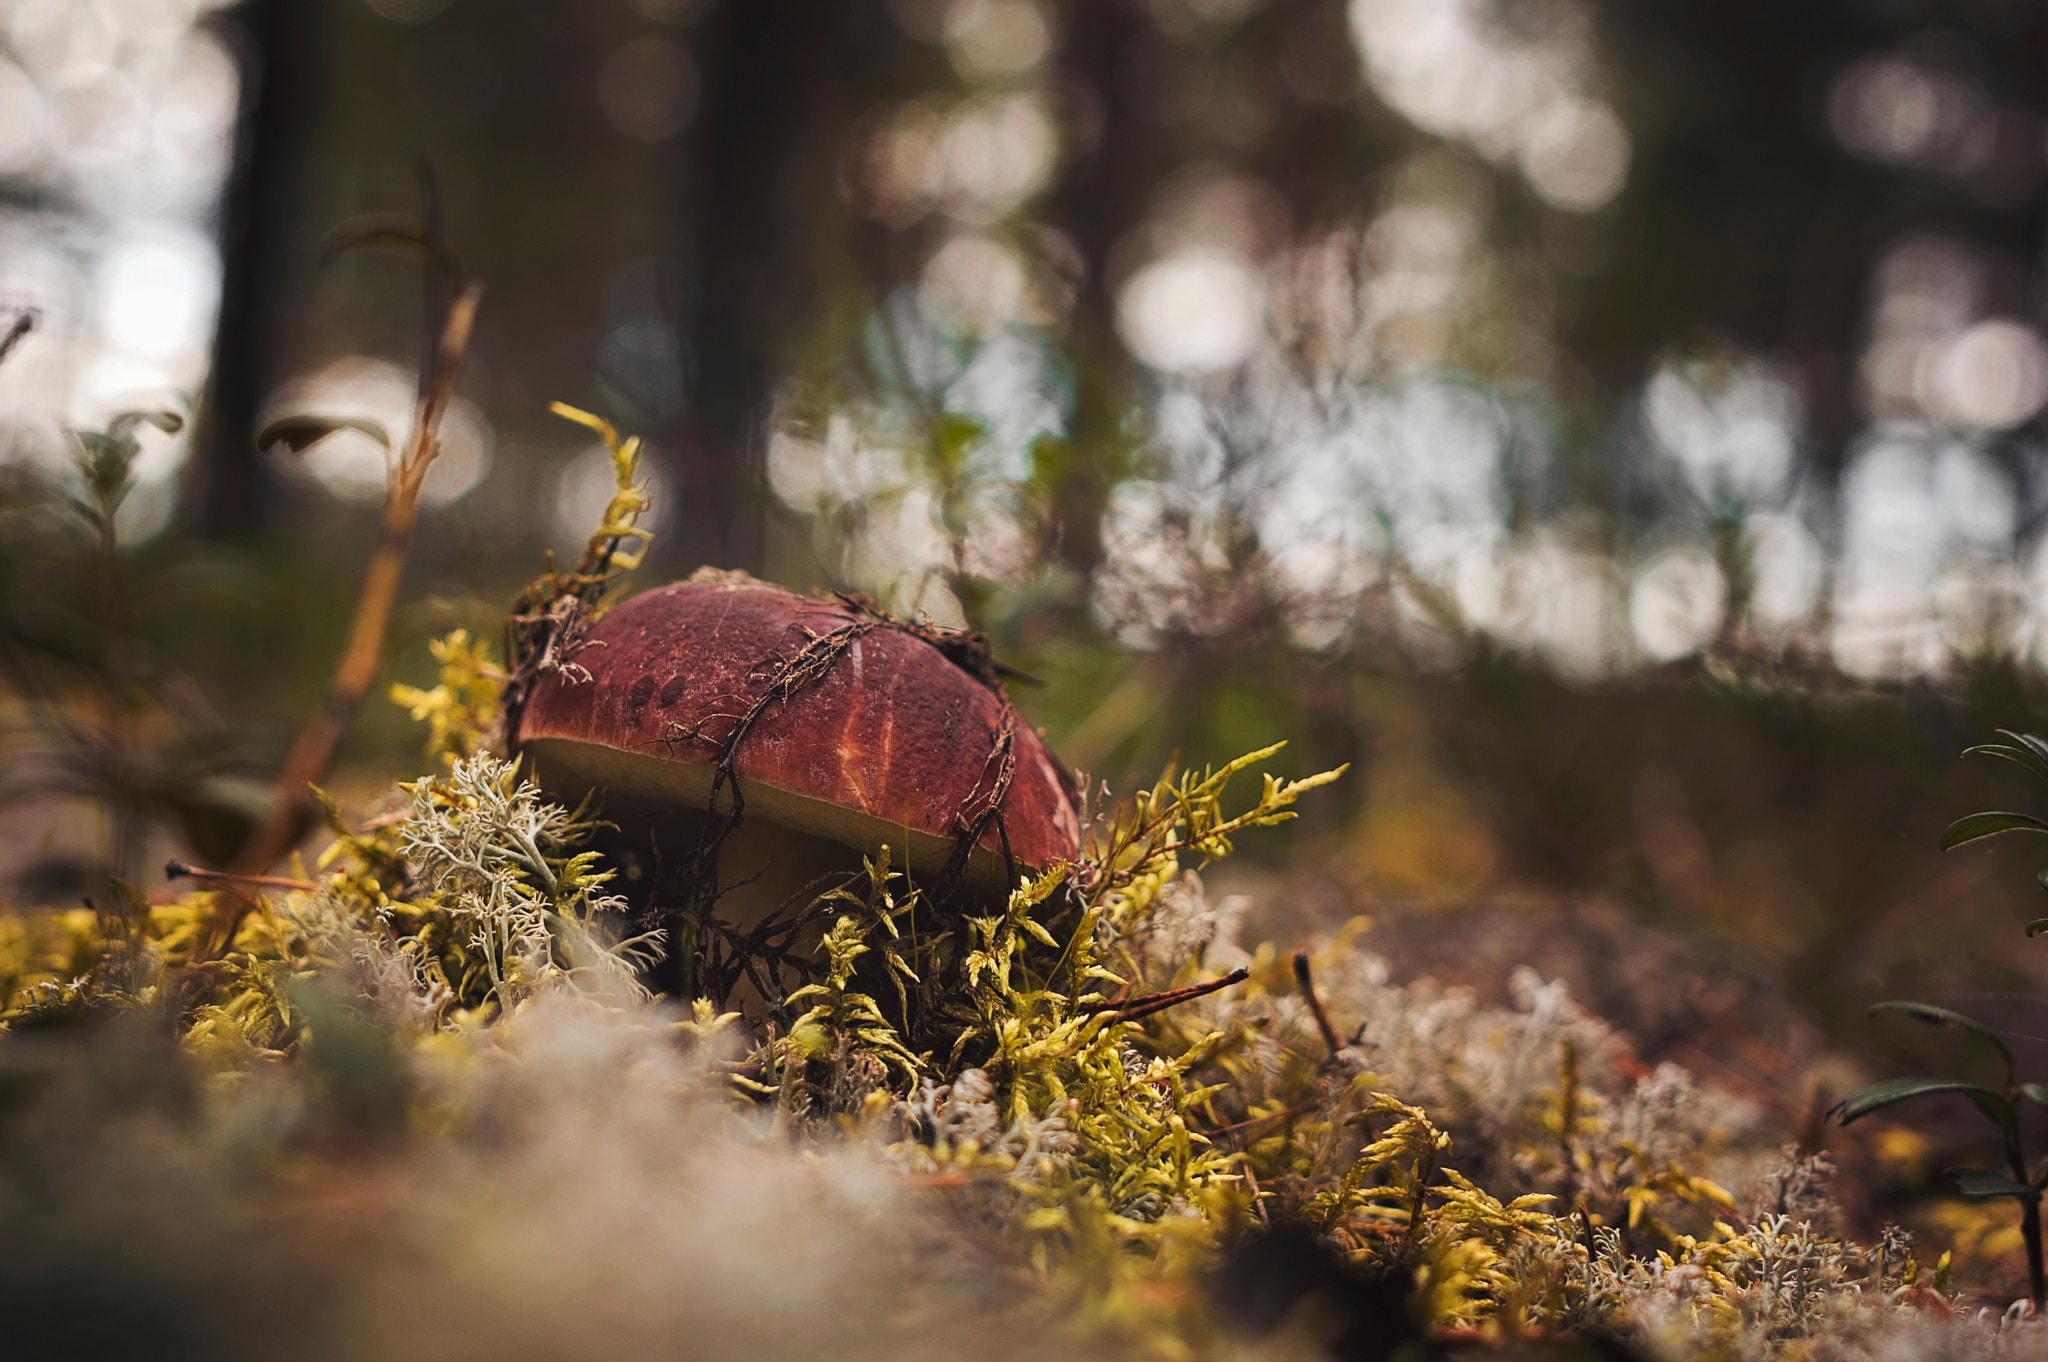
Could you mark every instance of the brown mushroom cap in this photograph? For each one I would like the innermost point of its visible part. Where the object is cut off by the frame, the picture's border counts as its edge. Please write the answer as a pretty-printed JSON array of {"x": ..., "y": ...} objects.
[{"x": 839, "y": 722}]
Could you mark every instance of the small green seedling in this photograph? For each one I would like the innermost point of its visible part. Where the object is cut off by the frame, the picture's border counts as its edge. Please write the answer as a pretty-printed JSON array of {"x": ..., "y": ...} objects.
[{"x": 2001, "y": 1106}]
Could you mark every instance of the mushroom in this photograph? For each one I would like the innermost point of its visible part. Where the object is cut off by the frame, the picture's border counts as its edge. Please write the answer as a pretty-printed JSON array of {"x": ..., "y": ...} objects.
[{"x": 724, "y": 695}]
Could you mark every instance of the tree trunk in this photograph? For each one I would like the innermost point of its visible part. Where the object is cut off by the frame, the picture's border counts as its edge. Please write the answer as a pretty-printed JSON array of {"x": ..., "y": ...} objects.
[{"x": 233, "y": 488}]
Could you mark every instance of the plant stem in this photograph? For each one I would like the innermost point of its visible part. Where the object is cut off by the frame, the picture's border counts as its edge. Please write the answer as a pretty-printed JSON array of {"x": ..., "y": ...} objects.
[
  {"x": 25, "y": 320},
  {"x": 1315, "y": 1004},
  {"x": 313, "y": 751},
  {"x": 2030, "y": 1210},
  {"x": 2030, "y": 1230},
  {"x": 1144, "y": 1006}
]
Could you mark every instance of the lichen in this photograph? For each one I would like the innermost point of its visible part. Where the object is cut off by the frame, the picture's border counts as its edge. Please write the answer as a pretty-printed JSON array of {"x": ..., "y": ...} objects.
[{"x": 421, "y": 1102}]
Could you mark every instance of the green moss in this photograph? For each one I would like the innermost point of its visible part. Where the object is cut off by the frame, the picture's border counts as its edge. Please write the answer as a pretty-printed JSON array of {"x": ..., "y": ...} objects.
[{"x": 1084, "y": 1088}]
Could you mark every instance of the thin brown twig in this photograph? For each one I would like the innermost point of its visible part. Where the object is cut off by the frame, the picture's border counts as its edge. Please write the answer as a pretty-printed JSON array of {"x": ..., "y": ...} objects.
[
  {"x": 1137, "y": 1008},
  {"x": 1302, "y": 1110},
  {"x": 1315, "y": 1004},
  {"x": 307, "y": 762},
  {"x": 180, "y": 870},
  {"x": 25, "y": 320},
  {"x": 1258, "y": 1197}
]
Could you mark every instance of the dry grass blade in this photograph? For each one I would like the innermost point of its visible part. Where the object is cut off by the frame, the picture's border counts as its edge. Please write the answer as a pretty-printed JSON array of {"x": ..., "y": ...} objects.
[
  {"x": 24, "y": 322},
  {"x": 180, "y": 870}
]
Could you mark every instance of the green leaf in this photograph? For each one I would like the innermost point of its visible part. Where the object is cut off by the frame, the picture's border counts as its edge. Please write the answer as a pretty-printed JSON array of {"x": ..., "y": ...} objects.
[
  {"x": 1941, "y": 1016},
  {"x": 2020, "y": 752},
  {"x": 2037, "y": 1093},
  {"x": 2033, "y": 742},
  {"x": 1970, "y": 827},
  {"x": 953, "y": 437},
  {"x": 300, "y": 433},
  {"x": 2039, "y": 924},
  {"x": 604, "y": 428},
  {"x": 1877, "y": 1096},
  {"x": 105, "y": 464},
  {"x": 1980, "y": 1185}
]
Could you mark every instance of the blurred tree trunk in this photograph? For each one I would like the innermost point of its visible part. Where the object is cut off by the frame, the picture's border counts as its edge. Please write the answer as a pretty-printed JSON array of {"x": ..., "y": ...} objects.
[
  {"x": 234, "y": 488},
  {"x": 1100, "y": 200},
  {"x": 775, "y": 108}
]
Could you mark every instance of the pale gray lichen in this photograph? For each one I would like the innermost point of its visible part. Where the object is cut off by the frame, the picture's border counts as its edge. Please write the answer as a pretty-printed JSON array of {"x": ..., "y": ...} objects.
[{"x": 497, "y": 855}]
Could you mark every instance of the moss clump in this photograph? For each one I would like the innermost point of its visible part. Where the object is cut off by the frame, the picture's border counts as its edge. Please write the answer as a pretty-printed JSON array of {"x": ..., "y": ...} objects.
[
  {"x": 1098, "y": 1163},
  {"x": 417, "y": 1096}
]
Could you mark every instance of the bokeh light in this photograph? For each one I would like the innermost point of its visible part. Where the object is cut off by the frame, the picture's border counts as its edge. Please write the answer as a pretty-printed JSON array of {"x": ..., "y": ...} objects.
[
  {"x": 352, "y": 466},
  {"x": 1787, "y": 570},
  {"x": 116, "y": 122},
  {"x": 1993, "y": 376},
  {"x": 1518, "y": 93},
  {"x": 158, "y": 284},
  {"x": 1362, "y": 367},
  {"x": 997, "y": 40},
  {"x": 1729, "y": 423},
  {"x": 1676, "y": 602},
  {"x": 1913, "y": 109},
  {"x": 1576, "y": 154},
  {"x": 1194, "y": 311}
]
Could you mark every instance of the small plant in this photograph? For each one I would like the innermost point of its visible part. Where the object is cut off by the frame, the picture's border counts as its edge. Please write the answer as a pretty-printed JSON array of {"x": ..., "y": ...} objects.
[
  {"x": 1086, "y": 1093},
  {"x": 92, "y": 706},
  {"x": 2000, "y": 1105}
]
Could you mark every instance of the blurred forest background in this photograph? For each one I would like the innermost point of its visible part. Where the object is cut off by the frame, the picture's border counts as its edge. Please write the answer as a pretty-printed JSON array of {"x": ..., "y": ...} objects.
[{"x": 1614, "y": 426}]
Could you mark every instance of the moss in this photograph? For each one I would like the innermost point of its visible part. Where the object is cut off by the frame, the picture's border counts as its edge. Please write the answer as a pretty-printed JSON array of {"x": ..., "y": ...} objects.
[
  {"x": 1106, "y": 1162},
  {"x": 1040, "y": 1120}
]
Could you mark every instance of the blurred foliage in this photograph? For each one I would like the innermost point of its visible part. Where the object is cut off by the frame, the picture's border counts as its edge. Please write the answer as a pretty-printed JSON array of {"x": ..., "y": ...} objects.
[
  {"x": 2001, "y": 1104},
  {"x": 1084, "y": 1127},
  {"x": 99, "y": 710},
  {"x": 1114, "y": 1157}
]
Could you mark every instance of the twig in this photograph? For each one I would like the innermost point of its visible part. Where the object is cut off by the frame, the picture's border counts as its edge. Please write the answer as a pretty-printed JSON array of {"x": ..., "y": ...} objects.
[
  {"x": 1302, "y": 1110},
  {"x": 179, "y": 870},
  {"x": 1258, "y": 1197},
  {"x": 1315, "y": 1004},
  {"x": 312, "y": 752},
  {"x": 24, "y": 322},
  {"x": 1150, "y": 1003}
]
